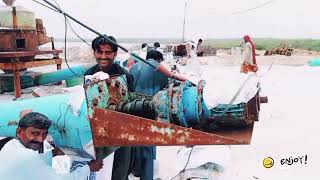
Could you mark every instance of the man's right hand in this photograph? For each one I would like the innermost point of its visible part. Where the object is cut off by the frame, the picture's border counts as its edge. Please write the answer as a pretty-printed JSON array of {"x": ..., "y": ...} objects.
[{"x": 95, "y": 165}]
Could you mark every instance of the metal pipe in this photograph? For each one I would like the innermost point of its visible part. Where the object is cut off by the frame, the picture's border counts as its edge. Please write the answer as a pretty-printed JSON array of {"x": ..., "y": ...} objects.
[
  {"x": 14, "y": 18},
  {"x": 67, "y": 130},
  {"x": 47, "y": 78},
  {"x": 184, "y": 20}
]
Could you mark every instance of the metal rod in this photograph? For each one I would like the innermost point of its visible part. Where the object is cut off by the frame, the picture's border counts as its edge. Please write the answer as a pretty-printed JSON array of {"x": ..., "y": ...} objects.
[
  {"x": 184, "y": 19},
  {"x": 96, "y": 32},
  {"x": 14, "y": 18},
  {"x": 17, "y": 84}
]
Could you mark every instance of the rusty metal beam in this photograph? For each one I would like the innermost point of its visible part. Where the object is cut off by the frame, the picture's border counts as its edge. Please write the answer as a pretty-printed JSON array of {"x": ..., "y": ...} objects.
[
  {"x": 16, "y": 54},
  {"x": 15, "y": 67},
  {"x": 24, "y": 65},
  {"x": 111, "y": 128}
]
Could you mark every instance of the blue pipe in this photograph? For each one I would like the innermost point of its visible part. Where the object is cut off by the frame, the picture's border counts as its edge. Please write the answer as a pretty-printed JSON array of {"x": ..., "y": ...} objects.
[
  {"x": 185, "y": 103},
  {"x": 68, "y": 130},
  {"x": 47, "y": 78}
]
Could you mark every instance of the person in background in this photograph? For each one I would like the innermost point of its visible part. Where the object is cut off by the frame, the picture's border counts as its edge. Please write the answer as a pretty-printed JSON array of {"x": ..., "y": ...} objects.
[
  {"x": 157, "y": 47},
  {"x": 249, "y": 63},
  {"x": 199, "y": 48},
  {"x": 149, "y": 81},
  {"x": 144, "y": 45},
  {"x": 142, "y": 53},
  {"x": 30, "y": 147}
]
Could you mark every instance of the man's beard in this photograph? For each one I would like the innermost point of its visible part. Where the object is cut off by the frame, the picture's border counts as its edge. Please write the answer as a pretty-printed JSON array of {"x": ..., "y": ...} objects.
[{"x": 34, "y": 145}]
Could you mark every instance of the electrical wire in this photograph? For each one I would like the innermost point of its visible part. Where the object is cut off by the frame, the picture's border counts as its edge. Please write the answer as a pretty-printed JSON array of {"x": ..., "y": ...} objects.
[
  {"x": 253, "y": 8},
  {"x": 56, "y": 4},
  {"x": 66, "y": 22},
  {"x": 185, "y": 164},
  {"x": 65, "y": 35},
  {"x": 77, "y": 33},
  {"x": 245, "y": 10},
  {"x": 72, "y": 27},
  {"x": 45, "y": 6},
  {"x": 65, "y": 46},
  {"x": 65, "y": 40}
]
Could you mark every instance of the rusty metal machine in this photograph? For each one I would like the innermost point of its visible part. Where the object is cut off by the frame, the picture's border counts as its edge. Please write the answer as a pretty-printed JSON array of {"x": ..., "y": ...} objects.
[
  {"x": 179, "y": 116},
  {"x": 20, "y": 37},
  {"x": 111, "y": 116}
]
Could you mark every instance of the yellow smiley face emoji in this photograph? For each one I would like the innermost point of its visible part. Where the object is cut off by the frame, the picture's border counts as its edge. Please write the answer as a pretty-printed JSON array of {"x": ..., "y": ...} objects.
[{"x": 268, "y": 162}]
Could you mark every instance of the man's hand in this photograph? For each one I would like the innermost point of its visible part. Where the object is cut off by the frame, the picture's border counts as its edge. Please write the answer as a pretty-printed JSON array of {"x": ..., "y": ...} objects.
[{"x": 95, "y": 165}]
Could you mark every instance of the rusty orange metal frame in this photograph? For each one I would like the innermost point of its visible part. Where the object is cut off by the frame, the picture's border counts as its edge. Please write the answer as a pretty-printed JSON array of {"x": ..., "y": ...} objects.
[
  {"x": 16, "y": 67},
  {"x": 112, "y": 128},
  {"x": 17, "y": 54}
]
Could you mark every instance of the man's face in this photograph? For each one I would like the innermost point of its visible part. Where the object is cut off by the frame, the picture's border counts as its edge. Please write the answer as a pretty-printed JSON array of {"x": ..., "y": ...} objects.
[
  {"x": 32, "y": 138},
  {"x": 105, "y": 56}
]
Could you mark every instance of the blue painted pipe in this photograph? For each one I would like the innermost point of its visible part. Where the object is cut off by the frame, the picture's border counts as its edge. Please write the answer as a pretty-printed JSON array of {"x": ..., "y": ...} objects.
[
  {"x": 68, "y": 130},
  {"x": 47, "y": 78},
  {"x": 181, "y": 103},
  {"x": 184, "y": 103}
]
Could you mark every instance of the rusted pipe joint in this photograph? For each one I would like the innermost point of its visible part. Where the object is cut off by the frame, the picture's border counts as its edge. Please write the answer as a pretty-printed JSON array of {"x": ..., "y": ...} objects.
[{"x": 264, "y": 99}]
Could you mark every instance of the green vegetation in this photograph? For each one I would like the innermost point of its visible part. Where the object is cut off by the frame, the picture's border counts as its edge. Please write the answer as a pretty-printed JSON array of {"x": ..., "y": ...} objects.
[{"x": 266, "y": 43}]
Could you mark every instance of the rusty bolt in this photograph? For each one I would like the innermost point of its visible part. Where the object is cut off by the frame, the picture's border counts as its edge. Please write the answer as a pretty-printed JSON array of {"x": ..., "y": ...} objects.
[
  {"x": 123, "y": 92},
  {"x": 100, "y": 89},
  {"x": 108, "y": 82},
  {"x": 264, "y": 99},
  {"x": 117, "y": 84},
  {"x": 95, "y": 102}
]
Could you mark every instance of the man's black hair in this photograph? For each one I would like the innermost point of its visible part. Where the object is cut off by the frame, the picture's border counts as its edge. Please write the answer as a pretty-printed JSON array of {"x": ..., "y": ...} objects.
[
  {"x": 100, "y": 40},
  {"x": 200, "y": 40},
  {"x": 156, "y": 44},
  {"x": 34, "y": 119},
  {"x": 144, "y": 45},
  {"x": 154, "y": 54}
]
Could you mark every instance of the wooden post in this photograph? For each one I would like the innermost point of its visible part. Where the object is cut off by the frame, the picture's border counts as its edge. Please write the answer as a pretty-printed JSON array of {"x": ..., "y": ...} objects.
[
  {"x": 59, "y": 68},
  {"x": 17, "y": 85},
  {"x": 14, "y": 18}
]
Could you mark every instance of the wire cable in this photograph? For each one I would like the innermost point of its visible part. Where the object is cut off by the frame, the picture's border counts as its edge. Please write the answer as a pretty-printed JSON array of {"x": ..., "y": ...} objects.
[
  {"x": 65, "y": 41},
  {"x": 253, "y": 8},
  {"x": 45, "y": 6},
  {"x": 67, "y": 21},
  {"x": 71, "y": 26},
  {"x": 65, "y": 33},
  {"x": 245, "y": 10},
  {"x": 77, "y": 33},
  {"x": 65, "y": 46},
  {"x": 185, "y": 165}
]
